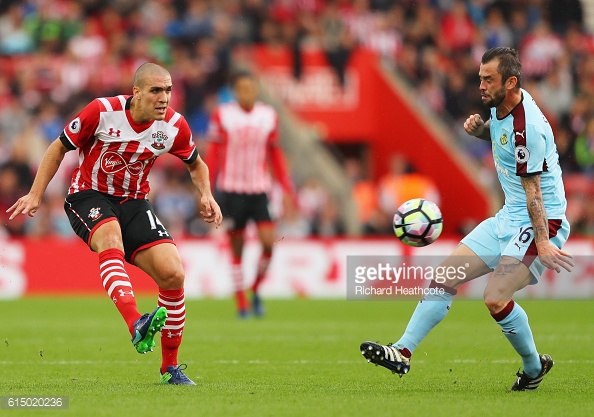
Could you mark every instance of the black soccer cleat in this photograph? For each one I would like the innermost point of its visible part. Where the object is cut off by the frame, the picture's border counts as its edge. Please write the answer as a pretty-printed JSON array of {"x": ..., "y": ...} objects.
[
  {"x": 387, "y": 356},
  {"x": 525, "y": 383}
]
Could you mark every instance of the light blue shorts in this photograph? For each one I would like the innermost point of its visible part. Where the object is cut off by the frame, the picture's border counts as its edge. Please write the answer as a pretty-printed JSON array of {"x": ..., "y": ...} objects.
[{"x": 499, "y": 236}]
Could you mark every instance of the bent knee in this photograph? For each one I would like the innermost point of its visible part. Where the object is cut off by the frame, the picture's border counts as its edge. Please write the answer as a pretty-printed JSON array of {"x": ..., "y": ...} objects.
[
  {"x": 171, "y": 279},
  {"x": 106, "y": 241},
  {"x": 495, "y": 306}
]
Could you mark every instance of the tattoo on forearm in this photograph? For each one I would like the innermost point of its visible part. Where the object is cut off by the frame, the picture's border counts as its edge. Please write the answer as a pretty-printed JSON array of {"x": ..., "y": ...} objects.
[
  {"x": 536, "y": 209},
  {"x": 538, "y": 217}
]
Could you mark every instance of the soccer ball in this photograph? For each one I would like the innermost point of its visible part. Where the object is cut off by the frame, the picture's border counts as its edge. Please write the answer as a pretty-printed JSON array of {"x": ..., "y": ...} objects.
[{"x": 418, "y": 222}]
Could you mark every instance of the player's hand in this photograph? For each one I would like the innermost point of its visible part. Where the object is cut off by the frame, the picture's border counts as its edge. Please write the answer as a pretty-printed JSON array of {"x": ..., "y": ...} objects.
[
  {"x": 554, "y": 258},
  {"x": 211, "y": 212},
  {"x": 27, "y": 204},
  {"x": 474, "y": 125}
]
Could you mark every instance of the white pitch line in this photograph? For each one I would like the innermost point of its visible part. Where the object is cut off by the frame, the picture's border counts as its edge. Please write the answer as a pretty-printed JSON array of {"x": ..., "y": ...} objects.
[{"x": 292, "y": 362}]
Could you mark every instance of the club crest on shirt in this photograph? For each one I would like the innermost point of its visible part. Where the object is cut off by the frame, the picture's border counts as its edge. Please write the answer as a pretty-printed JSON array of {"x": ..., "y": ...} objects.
[
  {"x": 159, "y": 139},
  {"x": 504, "y": 138},
  {"x": 94, "y": 213},
  {"x": 74, "y": 126},
  {"x": 522, "y": 154}
]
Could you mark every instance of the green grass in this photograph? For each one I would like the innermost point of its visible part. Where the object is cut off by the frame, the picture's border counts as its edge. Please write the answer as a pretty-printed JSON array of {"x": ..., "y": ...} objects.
[{"x": 301, "y": 360}]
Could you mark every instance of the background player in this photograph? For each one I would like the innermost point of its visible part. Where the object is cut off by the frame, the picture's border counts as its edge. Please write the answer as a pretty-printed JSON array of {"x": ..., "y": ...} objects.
[
  {"x": 520, "y": 241},
  {"x": 118, "y": 140},
  {"x": 243, "y": 139}
]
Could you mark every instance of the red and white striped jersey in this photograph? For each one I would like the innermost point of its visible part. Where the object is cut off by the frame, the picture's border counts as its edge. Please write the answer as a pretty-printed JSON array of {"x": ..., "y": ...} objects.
[
  {"x": 116, "y": 153},
  {"x": 244, "y": 140}
]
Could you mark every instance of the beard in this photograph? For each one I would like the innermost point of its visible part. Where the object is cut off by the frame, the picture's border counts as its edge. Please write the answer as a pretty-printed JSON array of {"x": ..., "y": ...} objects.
[{"x": 496, "y": 98}]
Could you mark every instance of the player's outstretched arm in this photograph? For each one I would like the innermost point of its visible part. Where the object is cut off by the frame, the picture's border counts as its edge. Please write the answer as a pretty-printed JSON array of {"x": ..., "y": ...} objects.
[
  {"x": 551, "y": 256},
  {"x": 50, "y": 163},
  {"x": 476, "y": 126},
  {"x": 210, "y": 210}
]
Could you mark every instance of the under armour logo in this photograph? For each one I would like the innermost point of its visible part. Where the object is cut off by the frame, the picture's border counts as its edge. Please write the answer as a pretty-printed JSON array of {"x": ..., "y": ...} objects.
[
  {"x": 163, "y": 233},
  {"x": 170, "y": 335},
  {"x": 521, "y": 134},
  {"x": 114, "y": 132},
  {"x": 123, "y": 293}
]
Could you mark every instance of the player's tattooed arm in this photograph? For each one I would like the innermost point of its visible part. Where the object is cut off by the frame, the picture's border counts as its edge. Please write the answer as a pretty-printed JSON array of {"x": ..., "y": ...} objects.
[
  {"x": 550, "y": 255},
  {"x": 536, "y": 208}
]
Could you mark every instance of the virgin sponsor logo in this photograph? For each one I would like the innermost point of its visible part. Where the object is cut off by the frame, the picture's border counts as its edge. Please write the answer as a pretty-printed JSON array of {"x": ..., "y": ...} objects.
[{"x": 112, "y": 162}]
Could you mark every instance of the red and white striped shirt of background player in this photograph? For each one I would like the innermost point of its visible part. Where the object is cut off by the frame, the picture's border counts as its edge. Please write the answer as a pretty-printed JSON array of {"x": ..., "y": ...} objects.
[
  {"x": 116, "y": 153},
  {"x": 241, "y": 144}
]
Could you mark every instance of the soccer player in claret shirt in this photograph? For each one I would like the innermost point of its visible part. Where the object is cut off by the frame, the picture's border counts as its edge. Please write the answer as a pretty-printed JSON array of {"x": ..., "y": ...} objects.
[
  {"x": 524, "y": 237},
  {"x": 118, "y": 140},
  {"x": 243, "y": 139}
]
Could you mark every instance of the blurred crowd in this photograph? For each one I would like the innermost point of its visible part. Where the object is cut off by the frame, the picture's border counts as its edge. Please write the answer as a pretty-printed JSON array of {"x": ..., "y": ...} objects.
[{"x": 57, "y": 55}]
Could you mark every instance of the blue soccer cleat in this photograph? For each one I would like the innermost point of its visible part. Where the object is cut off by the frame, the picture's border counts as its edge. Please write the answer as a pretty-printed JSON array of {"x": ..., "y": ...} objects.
[
  {"x": 175, "y": 376},
  {"x": 146, "y": 327},
  {"x": 257, "y": 305}
]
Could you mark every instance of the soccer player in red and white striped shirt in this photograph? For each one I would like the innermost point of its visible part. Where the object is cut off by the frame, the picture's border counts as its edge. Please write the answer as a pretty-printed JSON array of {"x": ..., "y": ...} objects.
[
  {"x": 118, "y": 140},
  {"x": 243, "y": 142}
]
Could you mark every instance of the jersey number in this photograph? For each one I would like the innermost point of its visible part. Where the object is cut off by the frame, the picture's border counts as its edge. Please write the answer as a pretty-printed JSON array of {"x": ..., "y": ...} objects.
[
  {"x": 154, "y": 221},
  {"x": 525, "y": 234}
]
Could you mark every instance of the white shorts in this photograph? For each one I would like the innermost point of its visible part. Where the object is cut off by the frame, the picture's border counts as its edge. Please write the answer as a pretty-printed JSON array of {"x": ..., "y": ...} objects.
[{"x": 498, "y": 236}]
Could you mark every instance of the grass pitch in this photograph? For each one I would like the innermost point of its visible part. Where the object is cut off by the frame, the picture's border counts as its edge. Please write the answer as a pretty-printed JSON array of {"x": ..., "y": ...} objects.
[{"x": 303, "y": 359}]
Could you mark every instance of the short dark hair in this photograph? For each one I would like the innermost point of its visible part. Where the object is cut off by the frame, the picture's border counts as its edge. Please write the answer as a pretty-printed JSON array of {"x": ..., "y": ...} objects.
[
  {"x": 145, "y": 70},
  {"x": 239, "y": 74},
  {"x": 509, "y": 62}
]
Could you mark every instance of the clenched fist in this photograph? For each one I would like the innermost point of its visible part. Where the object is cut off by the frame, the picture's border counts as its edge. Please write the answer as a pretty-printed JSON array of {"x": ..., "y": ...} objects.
[{"x": 474, "y": 125}]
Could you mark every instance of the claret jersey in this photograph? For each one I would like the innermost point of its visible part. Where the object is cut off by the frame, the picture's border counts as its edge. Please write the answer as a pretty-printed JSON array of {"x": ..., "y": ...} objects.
[
  {"x": 116, "y": 153},
  {"x": 523, "y": 144}
]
